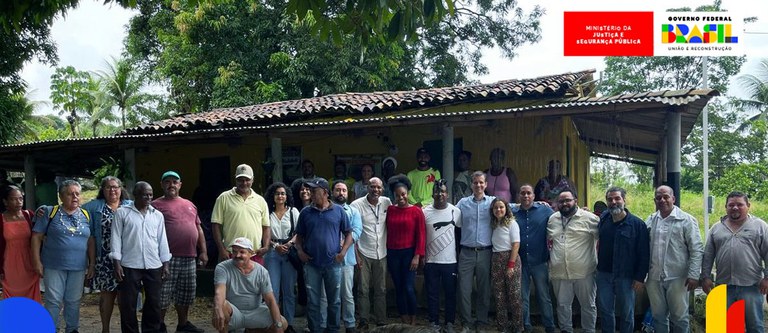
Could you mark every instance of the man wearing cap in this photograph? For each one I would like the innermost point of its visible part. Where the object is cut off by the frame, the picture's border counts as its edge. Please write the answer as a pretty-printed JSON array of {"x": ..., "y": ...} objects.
[
  {"x": 185, "y": 238},
  {"x": 422, "y": 179},
  {"x": 241, "y": 212},
  {"x": 140, "y": 255},
  {"x": 320, "y": 228},
  {"x": 239, "y": 287}
]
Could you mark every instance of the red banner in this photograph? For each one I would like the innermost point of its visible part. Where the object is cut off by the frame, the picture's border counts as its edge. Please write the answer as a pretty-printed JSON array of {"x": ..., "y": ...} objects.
[{"x": 608, "y": 33}]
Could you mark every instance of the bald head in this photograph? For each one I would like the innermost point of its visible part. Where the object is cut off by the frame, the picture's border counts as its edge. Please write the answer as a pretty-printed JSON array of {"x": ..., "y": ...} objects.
[
  {"x": 664, "y": 198},
  {"x": 375, "y": 188}
]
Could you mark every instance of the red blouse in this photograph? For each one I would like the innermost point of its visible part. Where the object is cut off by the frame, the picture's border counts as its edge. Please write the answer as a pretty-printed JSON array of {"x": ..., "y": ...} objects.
[{"x": 405, "y": 228}]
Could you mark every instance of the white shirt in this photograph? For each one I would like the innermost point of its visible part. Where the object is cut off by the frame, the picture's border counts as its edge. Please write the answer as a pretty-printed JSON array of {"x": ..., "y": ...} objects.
[
  {"x": 574, "y": 241},
  {"x": 281, "y": 229},
  {"x": 139, "y": 240},
  {"x": 441, "y": 234},
  {"x": 373, "y": 241},
  {"x": 503, "y": 236}
]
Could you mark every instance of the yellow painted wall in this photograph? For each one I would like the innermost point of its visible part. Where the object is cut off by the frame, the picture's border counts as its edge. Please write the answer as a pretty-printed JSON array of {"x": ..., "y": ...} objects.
[{"x": 530, "y": 143}]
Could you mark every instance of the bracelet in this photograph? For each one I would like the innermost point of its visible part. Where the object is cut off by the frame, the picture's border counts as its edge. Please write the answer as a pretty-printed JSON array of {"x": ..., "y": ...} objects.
[{"x": 510, "y": 264}]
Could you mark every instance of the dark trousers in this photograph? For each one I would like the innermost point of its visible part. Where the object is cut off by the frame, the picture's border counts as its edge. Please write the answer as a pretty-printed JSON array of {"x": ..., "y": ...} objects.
[
  {"x": 132, "y": 283},
  {"x": 435, "y": 277},
  {"x": 399, "y": 267}
]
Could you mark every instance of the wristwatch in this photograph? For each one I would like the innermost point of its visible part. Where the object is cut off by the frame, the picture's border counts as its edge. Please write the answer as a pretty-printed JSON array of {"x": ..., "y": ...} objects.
[{"x": 279, "y": 324}]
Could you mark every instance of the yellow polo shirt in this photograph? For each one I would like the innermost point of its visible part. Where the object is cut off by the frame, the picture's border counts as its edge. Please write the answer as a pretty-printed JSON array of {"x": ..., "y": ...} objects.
[{"x": 241, "y": 217}]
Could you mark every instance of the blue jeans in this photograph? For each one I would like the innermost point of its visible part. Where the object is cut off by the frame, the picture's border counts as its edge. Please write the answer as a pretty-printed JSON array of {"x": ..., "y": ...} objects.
[
  {"x": 348, "y": 295},
  {"x": 403, "y": 278},
  {"x": 753, "y": 305},
  {"x": 615, "y": 293},
  {"x": 330, "y": 278},
  {"x": 64, "y": 288},
  {"x": 540, "y": 276},
  {"x": 435, "y": 276},
  {"x": 669, "y": 304},
  {"x": 282, "y": 275}
]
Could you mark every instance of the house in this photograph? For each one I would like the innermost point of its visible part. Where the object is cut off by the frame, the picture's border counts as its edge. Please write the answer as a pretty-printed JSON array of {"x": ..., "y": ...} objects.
[{"x": 536, "y": 120}]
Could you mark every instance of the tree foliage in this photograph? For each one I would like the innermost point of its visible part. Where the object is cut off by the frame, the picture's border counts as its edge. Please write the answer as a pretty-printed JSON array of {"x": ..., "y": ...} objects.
[
  {"x": 751, "y": 178},
  {"x": 71, "y": 94},
  {"x": 232, "y": 53}
]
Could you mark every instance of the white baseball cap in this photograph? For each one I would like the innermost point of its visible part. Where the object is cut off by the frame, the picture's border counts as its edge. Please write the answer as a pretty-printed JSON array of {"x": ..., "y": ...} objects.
[{"x": 242, "y": 242}]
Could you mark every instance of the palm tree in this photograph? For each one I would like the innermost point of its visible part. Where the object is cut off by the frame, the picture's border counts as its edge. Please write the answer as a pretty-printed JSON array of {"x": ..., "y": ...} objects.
[
  {"x": 31, "y": 123},
  {"x": 99, "y": 108},
  {"x": 755, "y": 85},
  {"x": 122, "y": 86}
]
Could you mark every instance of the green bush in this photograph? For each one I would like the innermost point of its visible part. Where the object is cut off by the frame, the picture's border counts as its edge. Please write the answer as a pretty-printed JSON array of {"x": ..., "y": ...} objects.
[{"x": 749, "y": 178}]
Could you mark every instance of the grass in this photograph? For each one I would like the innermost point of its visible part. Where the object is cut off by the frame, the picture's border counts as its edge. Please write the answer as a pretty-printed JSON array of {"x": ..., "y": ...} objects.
[{"x": 640, "y": 203}]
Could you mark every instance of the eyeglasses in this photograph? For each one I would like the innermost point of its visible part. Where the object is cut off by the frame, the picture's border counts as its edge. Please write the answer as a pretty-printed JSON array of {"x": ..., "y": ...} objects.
[
  {"x": 565, "y": 200},
  {"x": 112, "y": 188},
  {"x": 280, "y": 193}
]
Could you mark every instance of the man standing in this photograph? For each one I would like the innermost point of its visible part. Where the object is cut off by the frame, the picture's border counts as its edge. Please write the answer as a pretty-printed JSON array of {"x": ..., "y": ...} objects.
[
  {"x": 441, "y": 268},
  {"x": 140, "y": 254},
  {"x": 239, "y": 286},
  {"x": 422, "y": 180},
  {"x": 185, "y": 239},
  {"x": 372, "y": 250},
  {"x": 307, "y": 174},
  {"x": 321, "y": 225},
  {"x": 340, "y": 195},
  {"x": 738, "y": 246},
  {"x": 475, "y": 253},
  {"x": 462, "y": 184},
  {"x": 532, "y": 217},
  {"x": 241, "y": 213},
  {"x": 573, "y": 233},
  {"x": 676, "y": 252},
  {"x": 622, "y": 262}
]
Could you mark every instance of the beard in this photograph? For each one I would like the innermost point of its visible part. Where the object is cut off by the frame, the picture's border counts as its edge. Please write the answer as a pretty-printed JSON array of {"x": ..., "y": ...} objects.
[
  {"x": 339, "y": 199},
  {"x": 617, "y": 209},
  {"x": 567, "y": 211}
]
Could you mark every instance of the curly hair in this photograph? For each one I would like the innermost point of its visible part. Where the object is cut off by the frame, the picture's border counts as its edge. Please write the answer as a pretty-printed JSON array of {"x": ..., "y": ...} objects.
[
  {"x": 399, "y": 181},
  {"x": 269, "y": 196},
  {"x": 506, "y": 220}
]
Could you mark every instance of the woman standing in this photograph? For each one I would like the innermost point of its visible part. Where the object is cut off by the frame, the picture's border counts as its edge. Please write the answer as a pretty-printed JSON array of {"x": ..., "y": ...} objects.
[
  {"x": 506, "y": 267},
  {"x": 102, "y": 211},
  {"x": 405, "y": 246},
  {"x": 18, "y": 277},
  {"x": 68, "y": 253},
  {"x": 361, "y": 186},
  {"x": 282, "y": 223}
]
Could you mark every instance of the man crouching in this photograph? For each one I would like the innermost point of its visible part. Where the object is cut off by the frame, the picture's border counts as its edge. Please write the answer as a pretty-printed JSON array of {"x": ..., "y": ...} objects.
[{"x": 239, "y": 286}]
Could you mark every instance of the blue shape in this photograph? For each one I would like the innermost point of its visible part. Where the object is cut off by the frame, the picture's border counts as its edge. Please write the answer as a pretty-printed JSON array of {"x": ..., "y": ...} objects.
[{"x": 19, "y": 314}]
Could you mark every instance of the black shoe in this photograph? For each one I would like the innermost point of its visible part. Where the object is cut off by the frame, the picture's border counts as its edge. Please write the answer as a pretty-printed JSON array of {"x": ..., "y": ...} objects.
[
  {"x": 289, "y": 329},
  {"x": 350, "y": 330},
  {"x": 188, "y": 327}
]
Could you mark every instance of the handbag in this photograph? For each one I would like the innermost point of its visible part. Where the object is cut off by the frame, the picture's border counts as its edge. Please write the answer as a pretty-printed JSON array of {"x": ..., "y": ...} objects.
[{"x": 293, "y": 253}]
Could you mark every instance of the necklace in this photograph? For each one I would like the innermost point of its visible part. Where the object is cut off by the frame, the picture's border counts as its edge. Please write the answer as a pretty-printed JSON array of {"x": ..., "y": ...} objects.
[{"x": 74, "y": 222}]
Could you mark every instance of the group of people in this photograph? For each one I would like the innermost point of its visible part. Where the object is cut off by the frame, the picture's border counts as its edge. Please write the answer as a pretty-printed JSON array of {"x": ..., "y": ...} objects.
[
  {"x": 118, "y": 246},
  {"x": 498, "y": 241}
]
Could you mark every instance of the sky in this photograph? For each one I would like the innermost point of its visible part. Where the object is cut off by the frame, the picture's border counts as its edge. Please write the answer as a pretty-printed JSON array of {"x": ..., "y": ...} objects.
[{"x": 88, "y": 36}]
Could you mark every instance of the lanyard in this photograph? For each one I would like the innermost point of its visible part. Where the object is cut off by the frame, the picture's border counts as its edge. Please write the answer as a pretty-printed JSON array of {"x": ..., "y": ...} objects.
[{"x": 375, "y": 212}]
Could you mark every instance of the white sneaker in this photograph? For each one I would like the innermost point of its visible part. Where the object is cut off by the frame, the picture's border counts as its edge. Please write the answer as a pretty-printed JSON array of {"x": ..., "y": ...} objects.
[{"x": 435, "y": 327}]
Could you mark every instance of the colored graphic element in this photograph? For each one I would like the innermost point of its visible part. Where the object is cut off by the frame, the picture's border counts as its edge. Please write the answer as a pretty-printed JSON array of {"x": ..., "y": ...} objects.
[
  {"x": 698, "y": 34},
  {"x": 19, "y": 314},
  {"x": 721, "y": 318},
  {"x": 608, "y": 33}
]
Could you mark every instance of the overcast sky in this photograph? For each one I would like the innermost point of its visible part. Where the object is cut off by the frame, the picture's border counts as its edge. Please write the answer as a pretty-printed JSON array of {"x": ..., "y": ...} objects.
[{"x": 92, "y": 33}]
